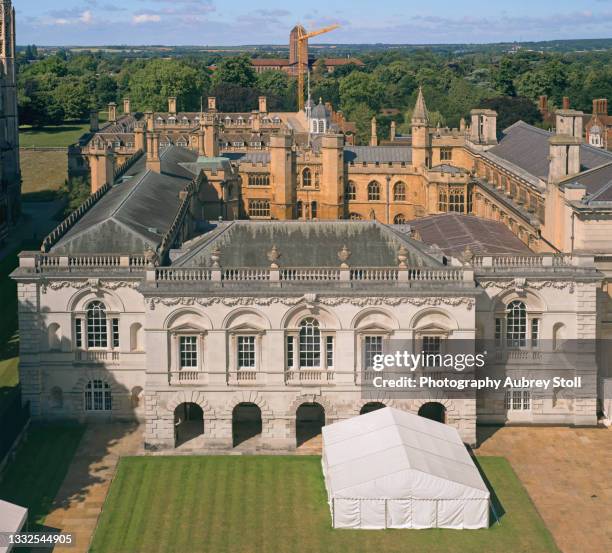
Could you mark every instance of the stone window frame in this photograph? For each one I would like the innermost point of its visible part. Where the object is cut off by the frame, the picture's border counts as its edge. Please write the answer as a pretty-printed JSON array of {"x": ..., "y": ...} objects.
[
  {"x": 80, "y": 316},
  {"x": 233, "y": 338},
  {"x": 501, "y": 326},
  {"x": 294, "y": 335},
  {"x": 175, "y": 353},
  {"x": 361, "y": 335}
]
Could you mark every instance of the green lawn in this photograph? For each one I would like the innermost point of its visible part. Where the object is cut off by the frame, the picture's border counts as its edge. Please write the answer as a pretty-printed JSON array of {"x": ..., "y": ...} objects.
[
  {"x": 34, "y": 477},
  {"x": 235, "y": 504},
  {"x": 52, "y": 136},
  {"x": 42, "y": 174}
]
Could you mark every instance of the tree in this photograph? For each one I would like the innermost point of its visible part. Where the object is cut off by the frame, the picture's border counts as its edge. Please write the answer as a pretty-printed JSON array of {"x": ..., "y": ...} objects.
[
  {"x": 106, "y": 90},
  {"x": 150, "y": 86},
  {"x": 235, "y": 70},
  {"x": 74, "y": 96},
  {"x": 233, "y": 97},
  {"x": 503, "y": 78},
  {"x": 362, "y": 115},
  {"x": 511, "y": 109},
  {"x": 360, "y": 88}
]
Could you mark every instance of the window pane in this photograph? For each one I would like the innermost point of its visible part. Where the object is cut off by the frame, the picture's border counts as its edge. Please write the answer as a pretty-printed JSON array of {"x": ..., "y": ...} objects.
[
  {"x": 78, "y": 333},
  {"x": 516, "y": 324},
  {"x": 289, "y": 351},
  {"x": 310, "y": 343},
  {"x": 115, "y": 333},
  {"x": 373, "y": 346},
  {"x": 188, "y": 352},
  {"x": 246, "y": 352},
  {"x": 329, "y": 350},
  {"x": 97, "y": 331},
  {"x": 535, "y": 332}
]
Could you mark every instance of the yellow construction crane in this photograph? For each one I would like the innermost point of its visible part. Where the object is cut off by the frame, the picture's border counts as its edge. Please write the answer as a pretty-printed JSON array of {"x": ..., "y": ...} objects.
[{"x": 302, "y": 37}]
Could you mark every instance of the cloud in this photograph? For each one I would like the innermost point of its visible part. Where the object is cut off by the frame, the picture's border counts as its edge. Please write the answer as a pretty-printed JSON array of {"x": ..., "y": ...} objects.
[
  {"x": 141, "y": 18},
  {"x": 86, "y": 17}
]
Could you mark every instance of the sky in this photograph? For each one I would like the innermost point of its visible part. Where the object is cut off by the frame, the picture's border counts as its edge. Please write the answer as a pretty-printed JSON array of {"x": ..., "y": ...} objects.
[{"x": 238, "y": 22}]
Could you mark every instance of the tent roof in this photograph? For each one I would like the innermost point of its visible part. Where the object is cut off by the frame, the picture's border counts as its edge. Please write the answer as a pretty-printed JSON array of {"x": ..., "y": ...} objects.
[
  {"x": 392, "y": 453},
  {"x": 12, "y": 519}
]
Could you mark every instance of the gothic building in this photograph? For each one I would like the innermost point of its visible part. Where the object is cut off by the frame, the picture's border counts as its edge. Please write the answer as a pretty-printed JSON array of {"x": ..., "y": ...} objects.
[{"x": 10, "y": 177}]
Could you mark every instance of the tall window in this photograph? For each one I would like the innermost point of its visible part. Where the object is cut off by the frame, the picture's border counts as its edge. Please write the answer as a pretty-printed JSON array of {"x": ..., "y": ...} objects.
[
  {"x": 115, "y": 328},
  {"x": 399, "y": 192},
  {"x": 446, "y": 154},
  {"x": 516, "y": 324},
  {"x": 535, "y": 333},
  {"x": 456, "y": 200},
  {"x": 259, "y": 208},
  {"x": 518, "y": 400},
  {"x": 329, "y": 351},
  {"x": 188, "y": 352},
  {"x": 432, "y": 345},
  {"x": 499, "y": 332},
  {"x": 373, "y": 191},
  {"x": 290, "y": 351},
  {"x": 310, "y": 343},
  {"x": 78, "y": 333},
  {"x": 351, "y": 191},
  {"x": 442, "y": 201},
  {"x": 246, "y": 352},
  {"x": 300, "y": 209},
  {"x": 306, "y": 177},
  {"x": 373, "y": 345},
  {"x": 98, "y": 396},
  {"x": 97, "y": 328},
  {"x": 313, "y": 210}
]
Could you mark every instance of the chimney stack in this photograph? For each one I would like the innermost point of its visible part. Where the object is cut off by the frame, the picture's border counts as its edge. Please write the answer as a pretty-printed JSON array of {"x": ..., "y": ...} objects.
[
  {"x": 211, "y": 143},
  {"x": 172, "y": 105},
  {"x": 600, "y": 106},
  {"x": 139, "y": 136},
  {"x": 543, "y": 104},
  {"x": 392, "y": 131},
  {"x": 373, "y": 133},
  {"x": 566, "y": 102},
  {"x": 94, "y": 121},
  {"x": 153, "y": 162},
  {"x": 112, "y": 112},
  {"x": 263, "y": 104},
  {"x": 564, "y": 156},
  {"x": 126, "y": 106},
  {"x": 569, "y": 122},
  {"x": 212, "y": 103},
  {"x": 483, "y": 129}
]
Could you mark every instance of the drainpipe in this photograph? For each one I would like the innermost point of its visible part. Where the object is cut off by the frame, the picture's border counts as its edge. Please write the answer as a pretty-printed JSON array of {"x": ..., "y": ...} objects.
[{"x": 388, "y": 200}]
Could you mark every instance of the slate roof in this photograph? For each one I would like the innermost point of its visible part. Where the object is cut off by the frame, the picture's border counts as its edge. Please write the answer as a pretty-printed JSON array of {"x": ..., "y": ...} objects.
[
  {"x": 527, "y": 147},
  {"x": 381, "y": 154},
  {"x": 134, "y": 213},
  {"x": 304, "y": 244},
  {"x": 598, "y": 183},
  {"x": 452, "y": 232}
]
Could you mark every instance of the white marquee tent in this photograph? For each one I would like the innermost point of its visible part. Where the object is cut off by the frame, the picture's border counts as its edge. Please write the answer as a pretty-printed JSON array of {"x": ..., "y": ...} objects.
[
  {"x": 393, "y": 469},
  {"x": 12, "y": 519}
]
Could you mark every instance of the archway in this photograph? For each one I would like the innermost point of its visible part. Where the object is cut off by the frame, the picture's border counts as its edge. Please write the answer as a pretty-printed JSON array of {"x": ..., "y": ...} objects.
[
  {"x": 309, "y": 420},
  {"x": 246, "y": 423},
  {"x": 434, "y": 411},
  {"x": 371, "y": 406},
  {"x": 188, "y": 423}
]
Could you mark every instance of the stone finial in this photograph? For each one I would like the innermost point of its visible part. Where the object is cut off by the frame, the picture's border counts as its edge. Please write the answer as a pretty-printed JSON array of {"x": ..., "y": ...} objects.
[
  {"x": 402, "y": 256},
  {"x": 273, "y": 256},
  {"x": 467, "y": 255},
  {"x": 215, "y": 257},
  {"x": 343, "y": 255},
  {"x": 151, "y": 257}
]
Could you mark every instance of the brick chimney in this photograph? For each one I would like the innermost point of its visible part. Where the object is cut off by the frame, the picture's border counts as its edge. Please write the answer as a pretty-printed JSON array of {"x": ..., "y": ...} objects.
[
  {"x": 566, "y": 102},
  {"x": 139, "y": 136},
  {"x": 263, "y": 104},
  {"x": 153, "y": 162},
  {"x": 543, "y": 104},
  {"x": 172, "y": 105},
  {"x": 112, "y": 112},
  {"x": 600, "y": 106},
  {"x": 126, "y": 106}
]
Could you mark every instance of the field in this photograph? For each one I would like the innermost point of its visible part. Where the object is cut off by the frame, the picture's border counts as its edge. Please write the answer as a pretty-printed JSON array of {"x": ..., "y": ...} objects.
[
  {"x": 43, "y": 173},
  {"x": 240, "y": 504},
  {"x": 51, "y": 136}
]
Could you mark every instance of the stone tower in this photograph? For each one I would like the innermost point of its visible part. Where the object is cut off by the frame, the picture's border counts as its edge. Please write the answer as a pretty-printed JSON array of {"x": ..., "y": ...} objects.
[
  {"x": 294, "y": 44},
  {"x": 421, "y": 141},
  {"x": 10, "y": 190},
  {"x": 332, "y": 157}
]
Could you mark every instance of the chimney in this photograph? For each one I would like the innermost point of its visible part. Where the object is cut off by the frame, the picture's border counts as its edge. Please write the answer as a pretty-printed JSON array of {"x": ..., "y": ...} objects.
[
  {"x": 600, "y": 106},
  {"x": 126, "y": 106},
  {"x": 373, "y": 133},
  {"x": 94, "y": 121},
  {"x": 392, "y": 131},
  {"x": 139, "y": 136},
  {"x": 211, "y": 143},
  {"x": 172, "y": 105},
  {"x": 263, "y": 104},
  {"x": 566, "y": 102},
  {"x": 484, "y": 127},
  {"x": 462, "y": 125},
  {"x": 201, "y": 142},
  {"x": 564, "y": 156},
  {"x": 153, "y": 162},
  {"x": 212, "y": 103},
  {"x": 148, "y": 119},
  {"x": 112, "y": 112},
  {"x": 543, "y": 104},
  {"x": 569, "y": 122},
  {"x": 102, "y": 166}
]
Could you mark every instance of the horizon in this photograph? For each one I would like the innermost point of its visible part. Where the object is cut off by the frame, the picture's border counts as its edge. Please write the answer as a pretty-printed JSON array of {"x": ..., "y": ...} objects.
[{"x": 93, "y": 23}]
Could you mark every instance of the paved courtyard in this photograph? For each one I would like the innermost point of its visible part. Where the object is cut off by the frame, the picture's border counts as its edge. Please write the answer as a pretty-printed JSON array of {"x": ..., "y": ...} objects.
[{"x": 568, "y": 474}]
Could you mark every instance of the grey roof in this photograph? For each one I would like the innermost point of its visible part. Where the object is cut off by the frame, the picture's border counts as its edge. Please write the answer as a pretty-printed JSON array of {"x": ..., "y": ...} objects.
[
  {"x": 319, "y": 111},
  {"x": 453, "y": 232},
  {"x": 134, "y": 213},
  {"x": 303, "y": 244},
  {"x": 527, "y": 147},
  {"x": 449, "y": 169},
  {"x": 381, "y": 154},
  {"x": 598, "y": 183},
  {"x": 249, "y": 157}
]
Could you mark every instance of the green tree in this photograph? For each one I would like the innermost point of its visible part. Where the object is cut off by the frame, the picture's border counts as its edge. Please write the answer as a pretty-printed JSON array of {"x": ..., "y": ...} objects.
[
  {"x": 362, "y": 115},
  {"x": 360, "y": 88},
  {"x": 74, "y": 96},
  {"x": 235, "y": 70},
  {"x": 511, "y": 109}
]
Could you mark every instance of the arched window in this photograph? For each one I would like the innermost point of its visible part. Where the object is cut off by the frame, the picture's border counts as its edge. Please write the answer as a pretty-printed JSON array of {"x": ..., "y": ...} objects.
[
  {"x": 373, "y": 191},
  {"x": 97, "y": 328},
  {"x": 98, "y": 396},
  {"x": 399, "y": 219},
  {"x": 399, "y": 192},
  {"x": 313, "y": 210},
  {"x": 306, "y": 177},
  {"x": 355, "y": 216},
  {"x": 310, "y": 343},
  {"x": 351, "y": 191},
  {"x": 516, "y": 324},
  {"x": 300, "y": 209}
]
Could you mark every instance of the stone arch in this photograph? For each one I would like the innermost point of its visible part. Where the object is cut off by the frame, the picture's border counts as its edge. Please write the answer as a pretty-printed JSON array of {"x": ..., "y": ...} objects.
[
  {"x": 136, "y": 335},
  {"x": 433, "y": 410},
  {"x": 371, "y": 406},
  {"x": 375, "y": 316},
  {"x": 559, "y": 335},
  {"x": 81, "y": 298},
  {"x": 533, "y": 301},
  {"x": 438, "y": 397},
  {"x": 248, "y": 396},
  {"x": 191, "y": 396},
  {"x": 78, "y": 390},
  {"x": 377, "y": 397},
  {"x": 187, "y": 315},
  {"x": 331, "y": 413},
  {"x": 327, "y": 319},
  {"x": 247, "y": 317},
  {"x": 136, "y": 395},
  {"x": 433, "y": 317}
]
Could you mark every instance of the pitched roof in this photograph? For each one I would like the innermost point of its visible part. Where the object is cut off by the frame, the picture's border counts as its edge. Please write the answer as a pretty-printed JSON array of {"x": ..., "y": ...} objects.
[
  {"x": 453, "y": 232},
  {"x": 381, "y": 154},
  {"x": 311, "y": 244},
  {"x": 527, "y": 147}
]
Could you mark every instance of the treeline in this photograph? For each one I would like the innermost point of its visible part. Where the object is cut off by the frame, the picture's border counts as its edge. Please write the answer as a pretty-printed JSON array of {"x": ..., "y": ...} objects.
[{"x": 67, "y": 85}]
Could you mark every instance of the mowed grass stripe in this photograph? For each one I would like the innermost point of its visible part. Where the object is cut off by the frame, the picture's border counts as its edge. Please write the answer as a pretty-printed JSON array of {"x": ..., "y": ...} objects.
[{"x": 259, "y": 504}]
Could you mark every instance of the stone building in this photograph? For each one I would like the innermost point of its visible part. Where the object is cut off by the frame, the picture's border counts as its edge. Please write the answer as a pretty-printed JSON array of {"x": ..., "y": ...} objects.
[{"x": 10, "y": 175}]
